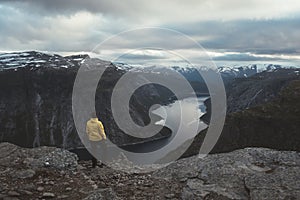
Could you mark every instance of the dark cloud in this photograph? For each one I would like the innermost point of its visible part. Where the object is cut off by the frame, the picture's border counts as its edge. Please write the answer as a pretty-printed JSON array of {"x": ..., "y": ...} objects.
[
  {"x": 257, "y": 36},
  {"x": 293, "y": 51},
  {"x": 242, "y": 57},
  {"x": 164, "y": 11},
  {"x": 138, "y": 57},
  {"x": 128, "y": 9},
  {"x": 60, "y": 6},
  {"x": 78, "y": 32}
]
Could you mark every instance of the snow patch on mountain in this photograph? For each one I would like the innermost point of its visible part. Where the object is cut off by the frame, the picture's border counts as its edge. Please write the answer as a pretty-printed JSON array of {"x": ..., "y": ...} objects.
[{"x": 35, "y": 59}]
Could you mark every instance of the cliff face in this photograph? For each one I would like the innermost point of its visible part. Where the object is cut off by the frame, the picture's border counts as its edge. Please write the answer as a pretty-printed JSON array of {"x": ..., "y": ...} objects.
[
  {"x": 270, "y": 118},
  {"x": 36, "y": 102},
  {"x": 274, "y": 124},
  {"x": 244, "y": 93},
  {"x": 36, "y": 107}
]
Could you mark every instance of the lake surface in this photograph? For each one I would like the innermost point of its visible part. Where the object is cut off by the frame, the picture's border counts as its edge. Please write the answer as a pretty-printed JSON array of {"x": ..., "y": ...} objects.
[{"x": 189, "y": 110}]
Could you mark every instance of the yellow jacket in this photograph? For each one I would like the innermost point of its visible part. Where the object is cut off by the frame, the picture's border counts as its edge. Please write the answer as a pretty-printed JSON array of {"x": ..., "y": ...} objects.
[{"x": 95, "y": 130}]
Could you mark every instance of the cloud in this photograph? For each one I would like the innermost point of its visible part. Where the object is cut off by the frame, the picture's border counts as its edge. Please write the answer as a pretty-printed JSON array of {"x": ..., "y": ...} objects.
[
  {"x": 277, "y": 36},
  {"x": 253, "y": 28},
  {"x": 166, "y": 11},
  {"x": 141, "y": 54},
  {"x": 80, "y": 31},
  {"x": 242, "y": 57},
  {"x": 291, "y": 51}
]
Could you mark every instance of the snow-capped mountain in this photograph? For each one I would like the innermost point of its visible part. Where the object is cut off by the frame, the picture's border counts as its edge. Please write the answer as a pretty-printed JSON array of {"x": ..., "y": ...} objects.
[
  {"x": 37, "y": 59},
  {"x": 33, "y": 59},
  {"x": 192, "y": 73}
]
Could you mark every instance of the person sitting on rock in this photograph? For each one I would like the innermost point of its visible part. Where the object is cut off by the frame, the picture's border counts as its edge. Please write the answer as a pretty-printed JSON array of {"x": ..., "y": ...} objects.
[{"x": 97, "y": 137}]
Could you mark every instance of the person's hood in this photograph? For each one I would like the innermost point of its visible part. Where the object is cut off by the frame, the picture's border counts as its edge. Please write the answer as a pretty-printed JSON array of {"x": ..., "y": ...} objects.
[{"x": 94, "y": 120}]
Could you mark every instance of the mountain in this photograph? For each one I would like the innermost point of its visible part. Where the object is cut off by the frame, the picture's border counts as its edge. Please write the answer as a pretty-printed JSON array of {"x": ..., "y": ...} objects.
[
  {"x": 33, "y": 59},
  {"x": 192, "y": 73},
  {"x": 259, "y": 88},
  {"x": 36, "y": 100},
  {"x": 228, "y": 73},
  {"x": 263, "y": 111}
]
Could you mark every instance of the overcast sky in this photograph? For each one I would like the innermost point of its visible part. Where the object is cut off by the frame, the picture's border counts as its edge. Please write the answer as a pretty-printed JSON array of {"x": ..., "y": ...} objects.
[{"x": 230, "y": 30}]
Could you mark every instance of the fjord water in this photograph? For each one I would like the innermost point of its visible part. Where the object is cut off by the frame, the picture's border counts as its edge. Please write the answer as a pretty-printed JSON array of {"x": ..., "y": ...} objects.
[{"x": 170, "y": 117}]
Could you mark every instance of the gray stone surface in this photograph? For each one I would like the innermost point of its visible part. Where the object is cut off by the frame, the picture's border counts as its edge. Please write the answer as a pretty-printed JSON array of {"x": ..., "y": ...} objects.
[
  {"x": 22, "y": 174},
  {"x": 251, "y": 173},
  {"x": 11, "y": 155},
  {"x": 103, "y": 194},
  {"x": 59, "y": 159}
]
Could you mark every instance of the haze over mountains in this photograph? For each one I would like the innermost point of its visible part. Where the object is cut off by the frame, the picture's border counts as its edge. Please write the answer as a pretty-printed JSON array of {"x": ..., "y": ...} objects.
[{"x": 35, "y": 59}]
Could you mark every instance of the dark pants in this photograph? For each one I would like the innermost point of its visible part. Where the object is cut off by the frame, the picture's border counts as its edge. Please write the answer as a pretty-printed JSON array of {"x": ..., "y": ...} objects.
[{"x": 98, "y": 150}]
